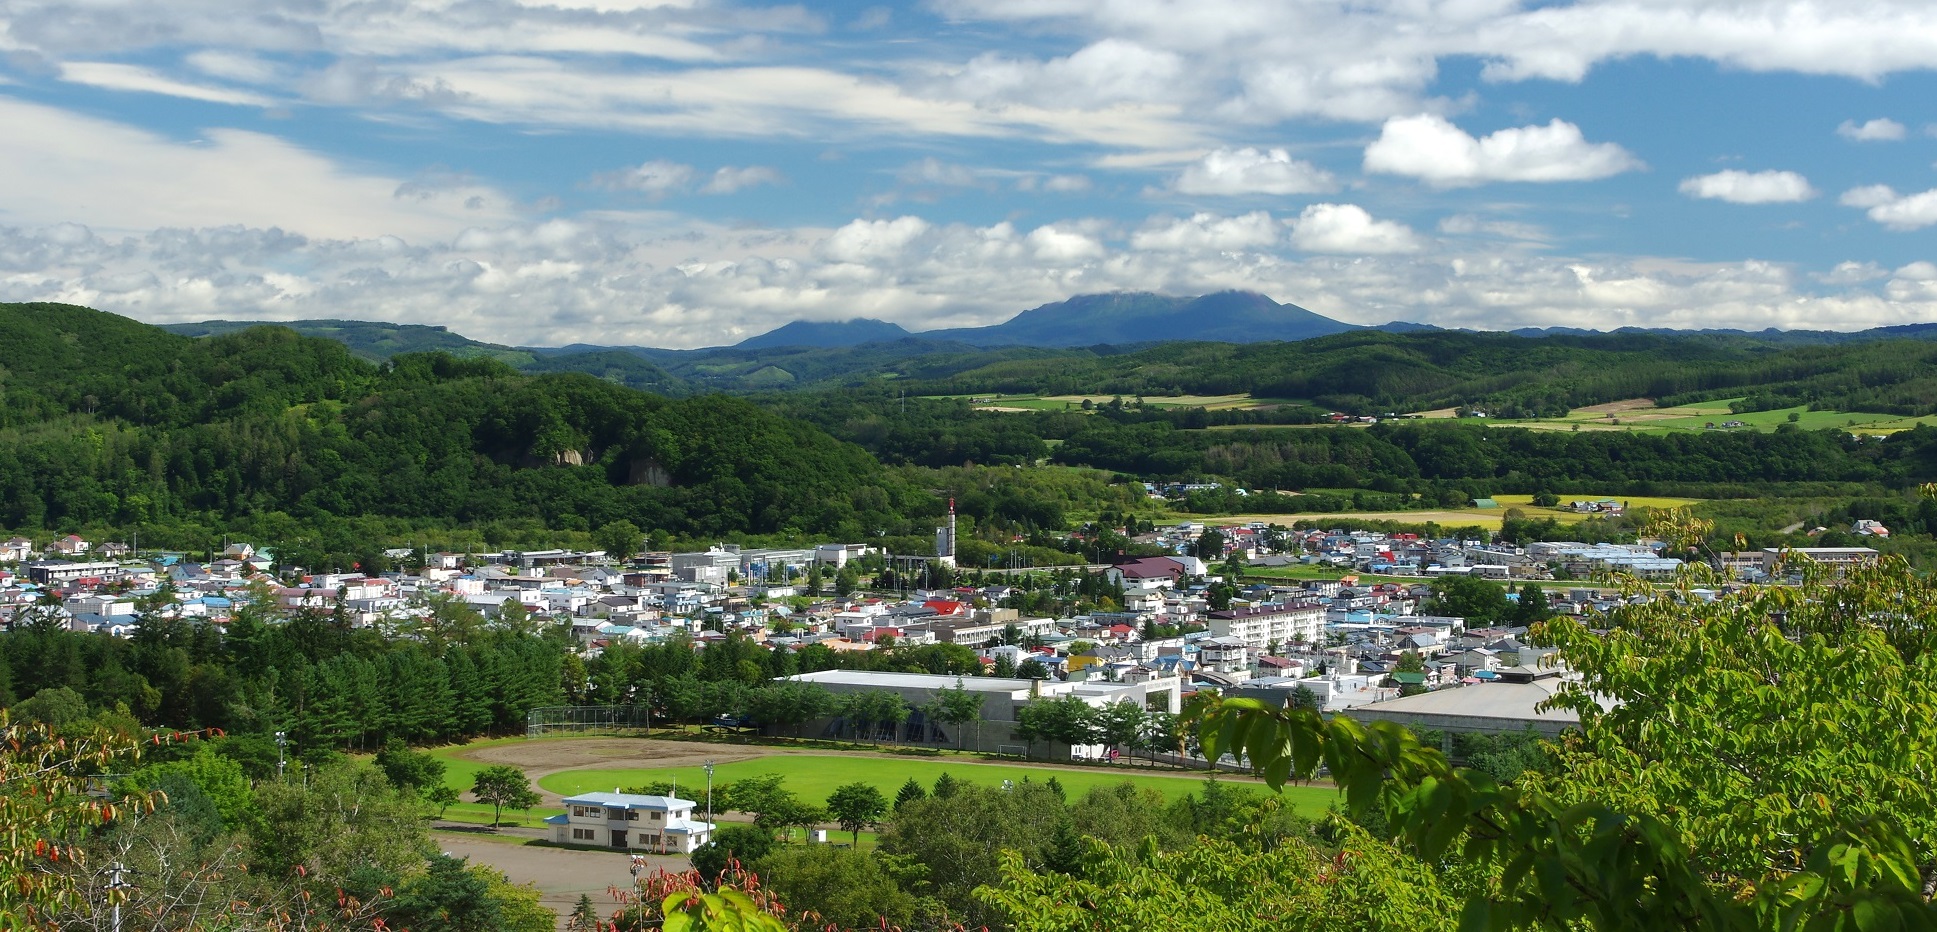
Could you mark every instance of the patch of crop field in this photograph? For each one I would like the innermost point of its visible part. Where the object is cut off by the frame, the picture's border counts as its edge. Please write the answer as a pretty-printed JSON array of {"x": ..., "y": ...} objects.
[{"x": 1638, "y": 415}]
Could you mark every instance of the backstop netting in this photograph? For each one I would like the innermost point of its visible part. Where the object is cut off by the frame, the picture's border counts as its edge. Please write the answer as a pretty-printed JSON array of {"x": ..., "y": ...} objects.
[{"x": 588, "y": 720}]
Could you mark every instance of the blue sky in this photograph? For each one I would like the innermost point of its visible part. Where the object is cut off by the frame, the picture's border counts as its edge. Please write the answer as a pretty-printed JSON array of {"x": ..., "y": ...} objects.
[{"x": 689, "y": 173}]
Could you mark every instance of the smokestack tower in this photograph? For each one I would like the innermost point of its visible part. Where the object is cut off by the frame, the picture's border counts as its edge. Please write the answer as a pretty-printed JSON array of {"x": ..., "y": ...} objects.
[{"x": 945, "y": 538}]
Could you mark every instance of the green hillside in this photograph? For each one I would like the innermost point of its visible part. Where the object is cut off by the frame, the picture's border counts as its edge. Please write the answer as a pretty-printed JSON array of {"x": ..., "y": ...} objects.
[{"x": 111, "y": 422}]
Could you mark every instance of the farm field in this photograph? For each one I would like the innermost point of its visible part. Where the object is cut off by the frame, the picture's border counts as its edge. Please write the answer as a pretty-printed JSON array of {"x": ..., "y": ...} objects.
[
  {"x": 1641, "y": 415},
  {"x": 1489, "y": 518},
  {"x": 1019, "y": 403}
]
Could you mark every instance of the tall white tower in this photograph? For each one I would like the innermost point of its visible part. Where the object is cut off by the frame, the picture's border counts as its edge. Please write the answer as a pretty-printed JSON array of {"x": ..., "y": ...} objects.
[{"x": 945, "y": 538}]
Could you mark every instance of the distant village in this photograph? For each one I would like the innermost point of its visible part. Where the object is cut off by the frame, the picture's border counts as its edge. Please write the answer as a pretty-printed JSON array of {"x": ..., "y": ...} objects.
[{"x": 1364, "y": 640}]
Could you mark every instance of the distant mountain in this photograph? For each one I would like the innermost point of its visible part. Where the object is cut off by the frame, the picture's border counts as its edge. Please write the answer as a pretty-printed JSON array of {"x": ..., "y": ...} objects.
[
  {"x": 820, "y": 333},
  {"x": 1140, "y": 317}
]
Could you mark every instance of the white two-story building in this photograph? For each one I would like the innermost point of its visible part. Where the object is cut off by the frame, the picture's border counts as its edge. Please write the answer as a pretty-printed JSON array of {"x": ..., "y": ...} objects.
[{"x": 630, "y": 821}]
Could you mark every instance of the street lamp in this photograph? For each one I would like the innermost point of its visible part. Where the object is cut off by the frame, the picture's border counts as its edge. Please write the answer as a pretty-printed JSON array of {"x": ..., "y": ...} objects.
[{"x": 709, "y": 800}]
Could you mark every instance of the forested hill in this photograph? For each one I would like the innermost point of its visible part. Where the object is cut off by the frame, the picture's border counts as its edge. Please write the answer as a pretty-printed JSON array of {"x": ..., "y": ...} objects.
[
  {"x": 1365, "y": 371},
  {"x": 1371, "y": 372},
  {"x": 108, "y": 421}
]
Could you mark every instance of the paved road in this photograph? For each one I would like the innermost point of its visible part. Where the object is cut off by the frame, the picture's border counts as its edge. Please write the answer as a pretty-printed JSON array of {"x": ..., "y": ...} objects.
[{"x": 561, "y": 874}]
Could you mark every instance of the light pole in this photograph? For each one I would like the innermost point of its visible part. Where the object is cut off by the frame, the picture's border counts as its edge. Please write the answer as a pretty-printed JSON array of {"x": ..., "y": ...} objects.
[
  {"x": 709, "y": 800},
  {"x": 282, "y": 741}
]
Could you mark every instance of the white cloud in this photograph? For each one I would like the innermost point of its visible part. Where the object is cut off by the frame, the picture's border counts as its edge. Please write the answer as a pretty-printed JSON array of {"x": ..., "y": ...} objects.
[
  {"x": 1881, "y": 129},
  {"x": 1348, "y": 229},
  {"x": 728, "y": 179},
  {"x": 57, "y": 167},
  {"x": 1874, "y": 195},
  {"x": 1912, "y": 212},
  {"x": 655, "y": 179},
  {"x": 868, "y": 240},
  {"x": 1431, "y": 148},
  {"x": 1251, "y": 171},
  {"x": 117, "y": 77},
  {"x": 1884, "y": 205},
  {"x": 1105, "y": 73},
  {"x": 1851, "y": 273},
  {"x": 1066, "y": 184},
  {"x": 1740, "y": 187},
  {"x": 1054, "y": 243},
  {"x": 1202, "y": 231}
]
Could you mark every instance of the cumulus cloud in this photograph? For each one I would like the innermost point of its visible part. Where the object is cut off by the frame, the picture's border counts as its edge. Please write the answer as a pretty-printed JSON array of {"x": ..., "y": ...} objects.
[
  {"x": 1896, "y": 211},
  {"x": 1431, "y": 148},
  {"x": 1203, "y": 231},
  {"x": 1251, "y": 171},
  {"x": 869, "y": 240},
  {"x": 1881, "y": 129},
  {"x": 1348, "y": 229},
  {"x": 1740, "y": 187}
]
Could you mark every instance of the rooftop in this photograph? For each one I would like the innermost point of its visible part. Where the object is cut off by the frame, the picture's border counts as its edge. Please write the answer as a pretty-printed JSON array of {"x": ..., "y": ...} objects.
[{"x": 937, "y": 681}]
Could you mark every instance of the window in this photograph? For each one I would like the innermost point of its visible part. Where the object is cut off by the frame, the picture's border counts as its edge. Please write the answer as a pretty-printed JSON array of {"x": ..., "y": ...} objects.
[
  {"x": 585, "y": 812},
  {"x": 655, "y": 817},
  {"x": 583, "y": 834},
  {"x": 614, "y": 814},
  {"x": 632, "y": 815}
]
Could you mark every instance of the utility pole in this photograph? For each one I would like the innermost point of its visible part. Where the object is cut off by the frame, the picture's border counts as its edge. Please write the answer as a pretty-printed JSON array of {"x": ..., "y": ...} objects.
[
  {"x": 282, "y": 741},
  {"x": 116, "y": 884}
]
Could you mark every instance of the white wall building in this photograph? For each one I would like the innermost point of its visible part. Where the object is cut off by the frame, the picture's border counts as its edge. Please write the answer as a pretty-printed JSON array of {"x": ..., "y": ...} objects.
[{"x": 631, "y": 822}]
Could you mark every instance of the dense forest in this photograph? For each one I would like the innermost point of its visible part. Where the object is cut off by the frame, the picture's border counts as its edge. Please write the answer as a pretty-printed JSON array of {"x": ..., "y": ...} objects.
[
  {"x": 303, "y": 445},
  {"x": 108, "y": 422}
]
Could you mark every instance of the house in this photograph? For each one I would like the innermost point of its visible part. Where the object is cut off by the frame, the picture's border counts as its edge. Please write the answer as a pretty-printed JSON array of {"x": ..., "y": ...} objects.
[
  {"x": 1866, "y": 527},
  {"x": 17, "y": 550},
  {"x": 631, "y": 822},
  {"x": 71, "y": 546},
  {"x": 1149, "y": 573}
]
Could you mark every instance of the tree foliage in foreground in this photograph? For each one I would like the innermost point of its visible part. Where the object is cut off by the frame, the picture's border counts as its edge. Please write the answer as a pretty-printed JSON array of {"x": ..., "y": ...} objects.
[{"x": 1766, "y": 769}]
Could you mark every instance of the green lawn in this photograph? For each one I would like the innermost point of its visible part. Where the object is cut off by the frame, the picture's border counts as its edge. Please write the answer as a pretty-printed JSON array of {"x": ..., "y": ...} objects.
[{"x": 813, "y": 777}]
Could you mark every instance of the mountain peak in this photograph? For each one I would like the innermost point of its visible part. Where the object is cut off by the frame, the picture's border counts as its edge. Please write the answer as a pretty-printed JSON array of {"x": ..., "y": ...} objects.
[
  {"x": 826, "y": 333},
  {"x": 1142, "y": 317}
]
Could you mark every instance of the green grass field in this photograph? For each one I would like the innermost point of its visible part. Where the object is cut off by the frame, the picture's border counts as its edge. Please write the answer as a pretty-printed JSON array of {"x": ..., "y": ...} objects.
[{"x": 813, "y": 777}]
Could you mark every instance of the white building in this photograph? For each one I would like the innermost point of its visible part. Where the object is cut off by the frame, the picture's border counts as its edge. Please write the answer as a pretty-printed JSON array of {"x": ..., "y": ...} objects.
[
  {"x": 1265, "y": 625},
  {"x": 631, "y": 822}
]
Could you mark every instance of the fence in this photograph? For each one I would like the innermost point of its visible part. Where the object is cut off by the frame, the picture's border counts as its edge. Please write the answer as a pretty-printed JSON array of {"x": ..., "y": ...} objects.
[{"x": 589, "y": 720}]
